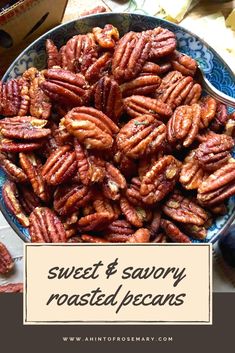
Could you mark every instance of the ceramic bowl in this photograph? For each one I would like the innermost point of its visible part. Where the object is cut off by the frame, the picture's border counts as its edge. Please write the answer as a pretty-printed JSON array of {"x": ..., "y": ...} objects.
[{"x": 214, "y": 67}]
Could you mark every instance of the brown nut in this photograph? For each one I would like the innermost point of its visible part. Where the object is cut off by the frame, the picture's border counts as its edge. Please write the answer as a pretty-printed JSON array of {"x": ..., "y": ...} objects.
[
  {"x": 221, "y": 117},
  {"x": 60, "y": 166},
  {"x": 218, "y": 186},
  {"x": 65, "y": 87},
  {"x": 194, "y": 231},
  {"x": 53, "y": 56},
  {"x": 215, "y": 152},
  {"x": 135, "y": 215},
  {"x": 28, "y": 199},
  {"x": 130, "y": 54},
  {"x": 191, "y": 174},
  {"x": 83, "y": 164},
  {"x": 11, "y": 198},
  {"x": 94, "y": 222},
  {"x": 208, "y": 110},
  {"x": 133, "y": 192},
  {"x": 150, "y": 68},
  {"x": 163, "y": 42},
  {"x": 108, "y": 98},
  {"x": 184, "y": 210},
  {"x": 91, "y": 127},
  {"x": 141, "y": 136},
  {"x": 113, "y": 183},
  {"x": 106, "y": 37},
  {"x": 13, "y": 172},
  {"x": 45, "y": 227},
  {"x": 12, "y": 288},
  {"x": 10, "y": 98},
  {"x": 173, "y": 232},
  {"x": 142, "y": 235},
  {"x": 86, "y": 238},
  {"x": 137, "y": 106},
  {"x": 97, "y": 169},
  {"x": 160, "y": 179},
  {"x": 155, "y": 225},
  {"x": 6, "y": 261},
  {"x": 24, "y": 127},
  {"x": 7, "y": 145},
  {"x": 99, "y": 68},
  {"x": 183, "y": 126},
  {"x": 143, "y": 85},
  {"x": 183, "y": 63},
  {"x": 118, "y": 231}
]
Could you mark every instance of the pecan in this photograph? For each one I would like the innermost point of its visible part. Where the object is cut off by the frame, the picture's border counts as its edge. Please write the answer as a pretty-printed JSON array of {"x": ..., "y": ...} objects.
[
  {"x": 79, "y": 53},
  {"x": 160, "y": 238},
  {"x": 65, "y": 87},
  {"x": 45, "y": 226},
  {"x": 184, "y": 210},
  {"x": 135, "y": 215},
  {"x": 106, "y": 37},
  {"x": 95, "y": 221},
  {"x": 11, "y": 198},
  {"x": 114, "y": 182},
  {"x": 130, "y": 54},
  {"x": 60, "y": 165},
  {"x": 155, "y": 69},
  {"x": 83, "y": 164},
  {"x": 133, "y": 192},
  {"x": 218, "y": 186},
  {"x": 118, "y": 231},
  {"x": 127, "y": 166},
  {"x": 31, "y": 165},
  {"x": 142, "y": 235},
  {"x": 6, "y": 261},
  {"x": 195, "y": 231},
  {"x": 53, "y": 56},
  {"x": 86, "y": 238},
  {"x": 146, "y": 163},
  {"x": 138, "y": 105},
  {"x": 28, "y": 199},
  {"x": 7, "y": 145},
  {"x": 219, "y": 210},
  {"x": 69, "y": 198},
  {"x": 173, "y": 232},
  {"x": 99, "y": 68},
  {"x": 183, "y": 126},
  {"x": 163, "y": 42},
  {"x": 91, "y": 127},
  {"x": 12, "y": 288},
  {"x": 13, "y": 172},
  {"x": 191, "y": 174},
  {"x": 24, "y": 127},
  {"x": 97, "y": 169},
  {"x": 10, "y": 98},
  {"x": 160, "y": 179},
  {"x": 108, "y": 98},
  {"x": 74, "y": 239},
  {"x": 220, "y": 119},
  {"x": 143, "y": 85},
  {"x": 215, "y": 152},
  {"x": 70, "y": 224},
  {"x": 95, "y": 10},
  {"x": 208, "y": 110},
  {"x": 103, "y": 205},
  {"x": 141, "y": 136},
  {"x": 183, "y": 63},
  {"x": 155, "y": 225},
  {"x": 205, "y": 135}
]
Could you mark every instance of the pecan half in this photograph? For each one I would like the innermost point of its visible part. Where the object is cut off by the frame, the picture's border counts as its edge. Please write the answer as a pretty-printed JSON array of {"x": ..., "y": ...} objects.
[
  {"x": 133, "y": 192},
  {"x": 183, "y": 126},
  {"x": 218, "y": 186},
  {"x": 143, "y": 85},
  {"x": 139, "y": 105},
  {"x": 173, "y": 232},
  {"x": 97, "y": 169},
  {"x": 155, "y": 225},
  {"x": 155, "y": 69},
  {"x": 86, "y": 238},
  {"x": 28, "y": 199},
  {"x": 118, "y": 231},
  {"x": 221, "y": 117},
  {"x": 108, "y": 98},
  {"x": 191, "y": 174},
  {"x": 60, "y": 166},
  {"x": 13, "y": 172},
  {"x": 83, "y": 164},
  {"x": 163, "y": 42},
  {"x": 11, "y": 198},
  {"x": 135, "y": 215},
  {"x": 130, "y": 54},
  {"x": 7, "y": 145},
  {"x": 10, "y": 98},
  {"x": 208, "y": 110},
  {"x": 6, "y": 261},
  {"x": 99, "y": 68},
  {"x": 12, "y": 288},
  {"x": 45, "y": 227},
  {"x": 183, "y": 63},
  {"x": 141, "y": 136},
  {"x": 53, "y": 56},
  {"x": 160, "y": 179},
  {"x": 215, "y": 152},
  {"x": 95, "y": 221},
  {"x": 114, "y": 182},
  {"x": 194, "y": 231},
  {"x": 91, "y": 127},
  {"x": 106, "y": 37},
  {"x": 142, "y": 235}
]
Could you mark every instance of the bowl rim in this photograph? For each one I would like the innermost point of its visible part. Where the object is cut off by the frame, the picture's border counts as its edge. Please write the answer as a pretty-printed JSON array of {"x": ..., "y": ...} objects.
[{"x": 231, "y": 218}]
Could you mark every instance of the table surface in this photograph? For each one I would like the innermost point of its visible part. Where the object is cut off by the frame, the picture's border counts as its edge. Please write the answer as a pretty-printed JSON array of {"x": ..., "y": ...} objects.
[{"x": 221, "y": 282}]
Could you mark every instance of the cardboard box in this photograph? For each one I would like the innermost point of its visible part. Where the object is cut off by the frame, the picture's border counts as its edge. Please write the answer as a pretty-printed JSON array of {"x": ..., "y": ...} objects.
[{"x": 23, "y": 22}]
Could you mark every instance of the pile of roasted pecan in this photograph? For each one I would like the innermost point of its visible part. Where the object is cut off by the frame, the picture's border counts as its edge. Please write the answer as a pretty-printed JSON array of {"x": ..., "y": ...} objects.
[{"x": 113, "y": 142}]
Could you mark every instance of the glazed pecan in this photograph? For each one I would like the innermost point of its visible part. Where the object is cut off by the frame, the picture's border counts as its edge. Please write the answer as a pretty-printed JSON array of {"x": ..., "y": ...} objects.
[
  {"x": 28, "y": 199},
  {"x": 160, "y": 179},
  {"x": 138, "y": 105},
  {"x": 118, "y": 231},
  {"x": 160, "y": 238},
  {"x": 86, "y": 238},
  {"x": 208, "y": 110},
  {"x": 10, "y": 98},
  {"x": 218, "y": 186},
  {"x": 6, "y": 261},
  {"x": 60, "y": 166},
  {"x": 163, "y": 42},
  {"x": 130, "y": 54},
  {"x": 53, "y": 56},
  {"x": 91, "y": 127},
  {"x": 99, "y": 68},
  {"x": 79, "y": 53},
  {"x": 103, "y": 205},
  {"x": 11, "y": 198},
  {"x": 108, "y": 98},
  {"x": 191, "y": 174},
  {"x": 65, "y": 87},
  {"x": 12, "y": 288},
  {"x": 13, "y": 172},
  {"x": 155, "y": 69},
  {"x": 45, "y": 226},
  {"x": 32, "y": 166},
  {"x": 24, "y": 127},
  {"x": 97, "y": 169},
  {"x": 221, "y": 117},
  {"x": 69, "y": 198},
  {"x": 144, "y": 85},
  {"x": 219, "y": 210},
  {"x": 106, "y": 37},
  {"x": 142, "y": 235},
  {"x": 155, "y": 225},
  {"x": 173, "y": 232},
  {"x": 184, "y": 210},
  {"x": 83, "y": 165},
  {"x": 133, "y": 192},
  {"x": 183, "y": 126},
  {"x": 114, "y": 182},
  {"x": 183, "y": 63},
  {"x": 195, "y": 231},
  {"x": 7, "y": 145},
  {"x": 126, "y": 165},
  {"x": 94, "y": 221},
  {"x": 230, "y": 126},
  {"x": 135, "y": 215},
  {"x": 215, "y": 152}
]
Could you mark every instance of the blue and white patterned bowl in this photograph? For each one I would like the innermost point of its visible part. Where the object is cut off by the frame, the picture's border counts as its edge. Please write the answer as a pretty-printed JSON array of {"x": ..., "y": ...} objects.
[{"x": 213, "y": 65}]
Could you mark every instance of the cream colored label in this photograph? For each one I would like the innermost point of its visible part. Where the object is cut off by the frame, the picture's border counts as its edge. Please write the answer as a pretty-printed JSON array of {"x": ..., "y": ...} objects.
[{"x": 117, "y": 284}]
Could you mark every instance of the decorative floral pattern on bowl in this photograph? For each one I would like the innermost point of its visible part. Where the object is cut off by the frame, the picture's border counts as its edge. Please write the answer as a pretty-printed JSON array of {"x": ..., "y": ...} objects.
[{"x": 217, "y": 71}]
